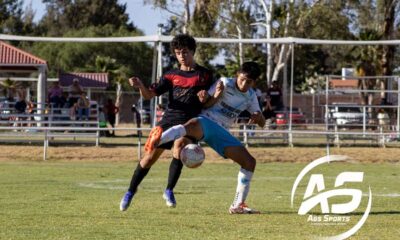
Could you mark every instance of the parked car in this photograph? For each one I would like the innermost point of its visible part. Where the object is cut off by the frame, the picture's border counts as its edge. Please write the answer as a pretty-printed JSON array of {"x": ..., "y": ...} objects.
[
  {"x": 346, "y": 114},
  {"x": 283, "y": 117}
]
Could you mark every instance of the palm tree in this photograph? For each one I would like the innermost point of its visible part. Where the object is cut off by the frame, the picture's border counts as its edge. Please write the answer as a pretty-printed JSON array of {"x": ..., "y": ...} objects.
[
  {"x": 117, "y": 75},
  {"x": 9, "y": 87}
]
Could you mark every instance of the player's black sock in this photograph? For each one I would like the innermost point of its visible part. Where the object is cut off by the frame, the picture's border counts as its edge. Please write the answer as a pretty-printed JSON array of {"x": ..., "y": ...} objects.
[
  {"x": 175, "y": 170},
  {"x": 137, "y": 177}
]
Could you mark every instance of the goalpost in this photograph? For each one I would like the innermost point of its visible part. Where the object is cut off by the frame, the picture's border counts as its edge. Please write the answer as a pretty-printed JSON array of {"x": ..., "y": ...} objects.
[{"x": 158, "y": 39}]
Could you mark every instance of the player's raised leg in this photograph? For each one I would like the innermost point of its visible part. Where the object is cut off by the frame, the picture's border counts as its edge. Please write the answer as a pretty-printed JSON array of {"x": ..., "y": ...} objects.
[
  {"x": 153, "y": 139},
  {"x": 191, "y": 128},
  {"x": 240, "y": 155}
]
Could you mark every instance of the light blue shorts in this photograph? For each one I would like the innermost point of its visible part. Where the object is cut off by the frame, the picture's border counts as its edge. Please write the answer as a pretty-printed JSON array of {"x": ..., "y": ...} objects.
[{"x": 216, "y": 136}]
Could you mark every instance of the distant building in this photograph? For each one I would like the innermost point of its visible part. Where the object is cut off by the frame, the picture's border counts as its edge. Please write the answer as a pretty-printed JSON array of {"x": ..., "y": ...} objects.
[{"x": 89, "y": 81}]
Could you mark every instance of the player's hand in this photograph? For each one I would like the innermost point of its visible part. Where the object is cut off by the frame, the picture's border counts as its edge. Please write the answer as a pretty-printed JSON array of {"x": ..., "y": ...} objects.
[
  {"x": 135, "y": 82},
  {"x": 255, "y": 118},
  {"x": 203, "y": 96},
  {"x": 219, "y": 89}
]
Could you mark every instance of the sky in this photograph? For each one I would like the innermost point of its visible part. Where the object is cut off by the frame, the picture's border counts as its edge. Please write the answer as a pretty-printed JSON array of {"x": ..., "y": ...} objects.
[{"x": 142, "y": 16}]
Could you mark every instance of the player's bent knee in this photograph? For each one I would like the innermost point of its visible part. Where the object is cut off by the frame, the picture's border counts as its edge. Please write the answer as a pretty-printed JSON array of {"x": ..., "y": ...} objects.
[
  {"x": 193, "y": 128},
  {"x": 250, "y": 164},
  {"x": 179, "y": 144}
]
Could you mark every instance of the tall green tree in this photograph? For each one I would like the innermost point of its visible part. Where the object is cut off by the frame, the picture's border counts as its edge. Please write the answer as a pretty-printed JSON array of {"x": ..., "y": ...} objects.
[
  {"x": 376, "y": 20},
  {"x": 71, "y": 56},
  {"x": 64, "y": 15},
  {"x": 319, "y": 20},
  {"x": 181, "y": 12},
  {"x": 11, "y": 16},
  {"x": 202, "y": 24},
  {"x": 195, "y": 17}
]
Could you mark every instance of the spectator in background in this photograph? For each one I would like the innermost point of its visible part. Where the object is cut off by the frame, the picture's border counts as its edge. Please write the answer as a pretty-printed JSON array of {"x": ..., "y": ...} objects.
[
  {"x": 64, "y": 100},
  {"x": 55, "y": 94},
  {"x": 83, "y": 107},
  {"x": 75, "y": 91},
  {"x": 275, "y": 94},
  {"x": 72, "y": 112},
  {"x": 159, "y": 112},
  {"x": 111, "y": 111},
  {"x": 138, "y": 119},
  {"x": 259, "y": 95},
  {"x": 268, "y": 111},
  {"x": 383, "y": 118},
  {"x": 22, "y": 106}
]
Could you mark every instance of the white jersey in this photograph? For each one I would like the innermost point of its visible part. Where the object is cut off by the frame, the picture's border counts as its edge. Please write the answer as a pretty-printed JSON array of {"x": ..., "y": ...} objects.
[{"x": 226, "y": 110}]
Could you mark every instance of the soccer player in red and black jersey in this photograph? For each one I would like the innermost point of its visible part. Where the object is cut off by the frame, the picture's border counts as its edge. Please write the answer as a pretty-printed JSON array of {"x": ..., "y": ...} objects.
[{"x": 183, "y": 86}]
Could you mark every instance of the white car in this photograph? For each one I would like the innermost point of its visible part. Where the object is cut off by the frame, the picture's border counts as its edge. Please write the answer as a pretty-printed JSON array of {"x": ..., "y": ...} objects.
[{"x": 346, "y": 114}]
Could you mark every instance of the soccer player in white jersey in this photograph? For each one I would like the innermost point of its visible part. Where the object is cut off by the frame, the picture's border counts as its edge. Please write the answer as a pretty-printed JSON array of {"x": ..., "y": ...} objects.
[{"x": 225, "y": 100}]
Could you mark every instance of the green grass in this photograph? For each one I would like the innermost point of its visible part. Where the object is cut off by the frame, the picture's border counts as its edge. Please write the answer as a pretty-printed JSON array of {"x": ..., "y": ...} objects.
[{"x": 78, "y": 200}]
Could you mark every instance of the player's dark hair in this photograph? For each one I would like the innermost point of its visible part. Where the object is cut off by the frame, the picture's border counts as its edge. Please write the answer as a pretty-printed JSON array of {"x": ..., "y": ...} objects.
[
  {"x": 183, "y": 41},
  {"x": 250, "y": 69}
]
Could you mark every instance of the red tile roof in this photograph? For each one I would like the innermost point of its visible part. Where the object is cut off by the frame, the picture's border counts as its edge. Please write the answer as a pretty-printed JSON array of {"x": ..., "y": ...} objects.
[
  {"x": 11, "y": 55},
  {"x": 86, "y": 80}
]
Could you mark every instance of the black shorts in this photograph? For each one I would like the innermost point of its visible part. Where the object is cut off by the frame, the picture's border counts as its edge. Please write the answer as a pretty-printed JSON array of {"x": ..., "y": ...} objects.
[{"x": 170, "y": 121}]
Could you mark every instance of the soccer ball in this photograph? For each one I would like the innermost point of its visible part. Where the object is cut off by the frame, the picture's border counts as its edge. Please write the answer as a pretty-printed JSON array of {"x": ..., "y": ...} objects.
[{"x": 192, "y": 155}]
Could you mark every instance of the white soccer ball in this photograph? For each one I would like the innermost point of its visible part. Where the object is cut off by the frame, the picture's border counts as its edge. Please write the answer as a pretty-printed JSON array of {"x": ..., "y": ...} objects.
[{"x": 192, "y": 155}]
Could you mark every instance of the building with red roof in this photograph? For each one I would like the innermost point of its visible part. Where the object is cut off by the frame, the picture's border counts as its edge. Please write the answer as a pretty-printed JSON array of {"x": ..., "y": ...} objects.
[
  {"x": 14, "y": 61},
  {"x": 19, "y": 65}
]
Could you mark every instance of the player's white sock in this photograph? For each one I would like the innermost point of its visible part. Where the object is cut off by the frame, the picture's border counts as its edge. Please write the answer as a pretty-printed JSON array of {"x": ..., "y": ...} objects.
[
  {"x": 173, "y": 133},
  {"x": 243, "y": 187}
]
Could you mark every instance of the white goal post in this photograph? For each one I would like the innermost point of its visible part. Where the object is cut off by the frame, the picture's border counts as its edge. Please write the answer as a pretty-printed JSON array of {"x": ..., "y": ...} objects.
[{"x": 159, "y": 39}]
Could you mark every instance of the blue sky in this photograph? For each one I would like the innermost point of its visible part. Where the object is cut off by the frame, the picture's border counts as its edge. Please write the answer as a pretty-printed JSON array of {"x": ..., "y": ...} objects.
[{"x": 143, "y": 16}]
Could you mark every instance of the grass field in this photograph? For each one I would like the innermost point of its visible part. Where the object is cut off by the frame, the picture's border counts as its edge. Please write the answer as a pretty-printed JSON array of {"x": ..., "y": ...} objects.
[{"x": 68, "y": 199}]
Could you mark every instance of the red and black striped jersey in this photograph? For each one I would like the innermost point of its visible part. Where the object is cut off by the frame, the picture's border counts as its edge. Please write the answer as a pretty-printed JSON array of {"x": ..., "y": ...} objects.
[{"x": 182, "y": 87}]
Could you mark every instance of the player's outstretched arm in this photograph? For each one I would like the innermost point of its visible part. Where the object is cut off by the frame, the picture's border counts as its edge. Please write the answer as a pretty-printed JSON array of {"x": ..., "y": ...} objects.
[
  {"x": 257, "y": 118},
  {"x": 219, "y": 91},
  {"x": 144, "y": 91}
]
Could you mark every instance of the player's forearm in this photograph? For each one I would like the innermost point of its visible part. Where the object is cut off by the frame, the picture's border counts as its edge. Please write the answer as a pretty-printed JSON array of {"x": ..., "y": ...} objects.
[
  {"x": 146, "y": 93},
  {"x": 210, "y": 102}
]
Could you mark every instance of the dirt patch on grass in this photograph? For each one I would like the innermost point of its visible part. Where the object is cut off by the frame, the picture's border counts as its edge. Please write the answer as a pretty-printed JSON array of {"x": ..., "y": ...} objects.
[{"x": 123, "y": 154}]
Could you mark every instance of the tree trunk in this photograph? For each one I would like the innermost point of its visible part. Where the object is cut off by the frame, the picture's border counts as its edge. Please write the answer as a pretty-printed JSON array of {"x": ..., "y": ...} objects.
[
  {"x": 186, "y": 16},
  {"x": 388, "y": 51},
  {"x": 284, "y": 52},
  {"x": 268, "y": 30}
]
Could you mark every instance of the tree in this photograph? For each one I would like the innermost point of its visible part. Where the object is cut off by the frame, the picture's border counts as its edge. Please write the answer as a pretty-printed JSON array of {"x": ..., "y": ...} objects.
[
  {"x": 70, "y": 56},
  {"x": 65, "y": 15},
  {"x": 11, "y": 16},
  {"x": 376, "y": 20},
  {"x": 180, "y": 11},
  {"x": 203, "y": 24},
  {"x": 117, "y": 75},
  {"x": 9, "y": 87},
  {"x": 319, "y": 20},
  {"x": 268, "y": 10}
]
